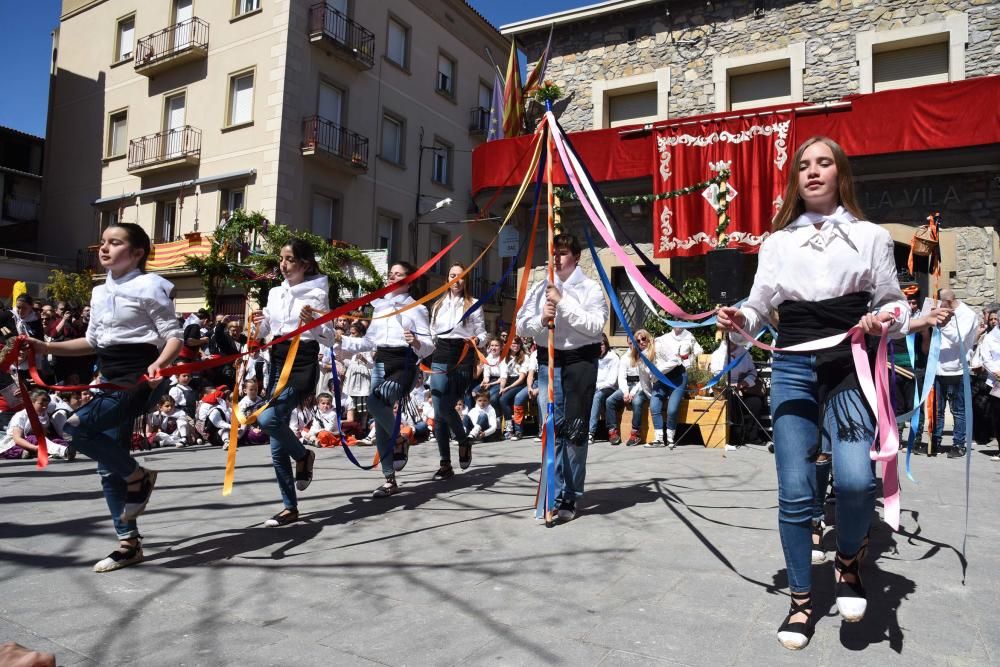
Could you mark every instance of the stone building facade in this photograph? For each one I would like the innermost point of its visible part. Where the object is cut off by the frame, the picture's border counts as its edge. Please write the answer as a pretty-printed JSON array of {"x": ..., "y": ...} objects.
[{"x": 628, "y": 62}]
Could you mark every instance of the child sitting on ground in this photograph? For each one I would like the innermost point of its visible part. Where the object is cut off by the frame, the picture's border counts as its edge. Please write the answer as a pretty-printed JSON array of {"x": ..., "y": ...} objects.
[
  {"x": 481, "y": 422},
  {"x": 219, "y": 418},
  {"x": 168, "y": 426},
  {"x": 64, "y": 403},
  {"x": 324, "y": 431},
  {"x": 183, "y": 394},
  {"x": 21, "y": 443},
  {"x": 302, "y": 417},
  {"x": 249, "y": 404}
]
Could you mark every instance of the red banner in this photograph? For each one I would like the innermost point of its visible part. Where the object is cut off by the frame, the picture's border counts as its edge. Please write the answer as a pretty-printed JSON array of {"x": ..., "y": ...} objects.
[{"x": 756, "y": 151}]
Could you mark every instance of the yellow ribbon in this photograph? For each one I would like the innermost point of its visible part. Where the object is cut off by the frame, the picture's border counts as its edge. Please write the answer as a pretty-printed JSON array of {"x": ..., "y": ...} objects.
[{"x": 239, "y": 420}]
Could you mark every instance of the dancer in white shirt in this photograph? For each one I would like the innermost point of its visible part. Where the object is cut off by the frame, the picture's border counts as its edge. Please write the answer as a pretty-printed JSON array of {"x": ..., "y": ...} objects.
[
  {"x": 453, "y": 366},
  {"x": 400, "y": 341},
  {"x": 823, "y": 269},
  {"x": 302, "y": 295},
  {"x": 575, "y": 307},
  {"x": 134, "y": 331}
]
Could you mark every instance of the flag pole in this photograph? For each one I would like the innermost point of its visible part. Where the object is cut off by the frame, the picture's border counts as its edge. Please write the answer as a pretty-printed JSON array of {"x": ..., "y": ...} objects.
[{"x": 489, "y": 54}]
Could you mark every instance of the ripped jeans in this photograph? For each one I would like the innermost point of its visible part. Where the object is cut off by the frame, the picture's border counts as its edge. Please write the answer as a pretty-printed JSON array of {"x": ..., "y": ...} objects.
[
  {"x": 572, "y": 419},
  {"x": 803, "y": 428}
]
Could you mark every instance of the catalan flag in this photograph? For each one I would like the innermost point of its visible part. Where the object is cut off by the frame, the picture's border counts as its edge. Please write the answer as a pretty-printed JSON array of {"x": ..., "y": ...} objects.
[
  {"x": 513, "y": 102},
  {"x": 537, "y": 74}
]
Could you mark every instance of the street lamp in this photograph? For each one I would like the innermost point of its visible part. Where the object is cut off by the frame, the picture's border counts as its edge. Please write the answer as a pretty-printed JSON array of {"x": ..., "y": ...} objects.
[{"x": 443, "y": 203}]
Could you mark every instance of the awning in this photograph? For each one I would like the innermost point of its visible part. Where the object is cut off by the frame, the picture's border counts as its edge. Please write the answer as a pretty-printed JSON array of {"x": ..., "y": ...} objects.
[
  {"x": 230, "y": 176},
  {"x": 933, "y": 117}
]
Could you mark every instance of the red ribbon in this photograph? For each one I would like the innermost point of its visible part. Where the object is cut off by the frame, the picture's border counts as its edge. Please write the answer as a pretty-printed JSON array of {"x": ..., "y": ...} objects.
[{"x": 22, "y": 342}]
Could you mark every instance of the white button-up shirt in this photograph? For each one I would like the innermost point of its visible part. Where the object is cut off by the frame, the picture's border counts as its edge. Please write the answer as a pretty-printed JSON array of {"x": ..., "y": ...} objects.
[
  {"x": 388, "y": 331},
  {"x": 607, "y": 370},
  {"x": 136, "y": 308},
  {"x": 446, "y": 320},
  {"x": 844, "y": 255},
  {"x": 626, "y": 368},
  {"x": 677, "y": 347},
  {"x": 285, "y": 303},
  {"x": 580, "y": 316},
  {"x": 964, "y": 327}
]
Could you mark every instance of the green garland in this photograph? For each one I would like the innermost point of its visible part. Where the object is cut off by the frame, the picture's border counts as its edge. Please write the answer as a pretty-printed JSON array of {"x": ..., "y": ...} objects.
[
  {"x": 244, "y": 256},
  {"x": 566, "y": 193}
]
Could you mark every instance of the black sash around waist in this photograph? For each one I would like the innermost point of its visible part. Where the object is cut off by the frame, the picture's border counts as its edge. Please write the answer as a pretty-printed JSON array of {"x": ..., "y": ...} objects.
[
  {"x": 305, "y": 367},
  {"x": 803, "y": 321},
  {"x": 589, "y": 353},
  {"x": 449, "y": 350},
  {"x": 399, "y": 364},
  {"x": 125, "y": 363}
]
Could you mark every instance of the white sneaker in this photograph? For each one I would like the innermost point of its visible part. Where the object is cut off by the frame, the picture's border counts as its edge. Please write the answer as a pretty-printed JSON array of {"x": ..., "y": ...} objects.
[
  {"x": 995, "y": 458},
  {"x": 654, "y": 444},
  {"x": 590, "y": 439},
  {"x": 671, "y": 434}
]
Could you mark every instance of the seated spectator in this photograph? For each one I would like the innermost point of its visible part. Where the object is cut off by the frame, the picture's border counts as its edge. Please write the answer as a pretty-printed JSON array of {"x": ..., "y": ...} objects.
[
  {"x": 249, "y": 404},
  {"x": 481, "y": 421},
  {"x": 22, "y": 443},
  {"x": 168, "y": 425}
]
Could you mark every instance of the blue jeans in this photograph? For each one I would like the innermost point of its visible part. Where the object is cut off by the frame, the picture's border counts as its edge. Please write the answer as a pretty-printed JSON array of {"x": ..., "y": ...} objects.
[
  {"x": 802, "y": 429},
  {"x": 672, "y": 397},
  {"x": 507, "y": 400},
  {"x": 950, "y": 392},
  {"x": 284, "y": 444},
  {"x": 598, "y": 405},
  {"x": 104, "y": 433},
  {"x": 616, "y": 404},
  {"x": 448, "y": 386},
  {"x": 570, "y": 452},
  {"x": 380, "y": 405},
  {"x": 483, "y": 422}
]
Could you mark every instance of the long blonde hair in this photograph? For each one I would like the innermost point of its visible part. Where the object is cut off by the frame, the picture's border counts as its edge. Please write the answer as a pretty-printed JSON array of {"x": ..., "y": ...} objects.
[
  {"x": 793, "y": 206},
  {"x": 650, "y": 346},
  {"x": 466, "y": 296}
]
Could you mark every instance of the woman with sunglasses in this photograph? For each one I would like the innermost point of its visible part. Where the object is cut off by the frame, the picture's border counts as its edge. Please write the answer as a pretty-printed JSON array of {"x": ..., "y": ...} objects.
[{"x": 634, "y": 388}]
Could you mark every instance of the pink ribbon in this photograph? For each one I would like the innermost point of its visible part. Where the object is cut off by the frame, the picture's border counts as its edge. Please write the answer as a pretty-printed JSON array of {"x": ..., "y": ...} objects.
[
  {"x": 885, "y": 447},
  {"x": 659, "y": 297}
]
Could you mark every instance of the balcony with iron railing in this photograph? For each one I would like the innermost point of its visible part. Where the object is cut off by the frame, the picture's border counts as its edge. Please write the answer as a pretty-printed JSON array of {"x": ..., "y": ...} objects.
[
  {"x": 479, "y": 120},
  {"x": 341, "y": 147},
  {"x": 173, "y": 46},
  {"x": 349, "y": 40},
  {"x": 163, "y": 150}
]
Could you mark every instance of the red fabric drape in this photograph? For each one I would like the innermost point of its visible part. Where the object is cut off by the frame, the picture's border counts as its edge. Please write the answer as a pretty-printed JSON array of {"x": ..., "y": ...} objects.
[{"x": 757, "y": 151}]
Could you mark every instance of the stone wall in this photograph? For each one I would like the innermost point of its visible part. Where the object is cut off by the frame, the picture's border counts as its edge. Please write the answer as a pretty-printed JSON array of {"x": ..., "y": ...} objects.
[
  {"x": 975, "y": 276},
  {"x": 645, "y": 39}
]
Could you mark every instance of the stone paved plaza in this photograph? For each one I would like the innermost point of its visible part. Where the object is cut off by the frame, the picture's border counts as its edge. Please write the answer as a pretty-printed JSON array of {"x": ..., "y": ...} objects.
[{"x": 674, "y": 559}]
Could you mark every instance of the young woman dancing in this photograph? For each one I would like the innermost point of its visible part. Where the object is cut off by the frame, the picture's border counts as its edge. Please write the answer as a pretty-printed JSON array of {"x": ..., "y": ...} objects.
[
  {"x": 134, "y": 332},
  {"x": 453, "y": 367},
  {"x": 303, "y": 294},
  {"x": 823, "y": 270},
  {"x": 399, "y": 341}
]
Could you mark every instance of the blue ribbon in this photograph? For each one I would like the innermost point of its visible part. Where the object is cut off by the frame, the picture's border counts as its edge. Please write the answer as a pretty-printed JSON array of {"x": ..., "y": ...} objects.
[
  {"x": 609, "y": 290},
  {"x": 970, "y": 441}
]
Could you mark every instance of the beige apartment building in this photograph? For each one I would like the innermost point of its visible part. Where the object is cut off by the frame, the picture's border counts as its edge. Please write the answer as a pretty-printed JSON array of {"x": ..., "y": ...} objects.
[{"x": 352, "y": 118}]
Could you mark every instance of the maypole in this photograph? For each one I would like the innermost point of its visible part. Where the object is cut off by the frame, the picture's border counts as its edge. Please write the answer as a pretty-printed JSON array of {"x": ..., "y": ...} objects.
[{"x": 549, "y": 439}]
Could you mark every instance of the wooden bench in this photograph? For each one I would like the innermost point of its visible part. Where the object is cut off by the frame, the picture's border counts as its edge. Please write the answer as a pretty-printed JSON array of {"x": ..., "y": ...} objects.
[{"x": 712, "y": 425}]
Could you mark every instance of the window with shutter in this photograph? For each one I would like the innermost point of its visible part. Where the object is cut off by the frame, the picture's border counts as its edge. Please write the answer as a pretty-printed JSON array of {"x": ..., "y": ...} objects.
[
  {"x": 631, "y": 107},
  {"x": 395, "y": 49},
  {"x": 910, "y": 66},
  {"x": 126, "y": 39},
  {"x": 241, "y": 99},
  {"x": 758, "y": 89}
]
